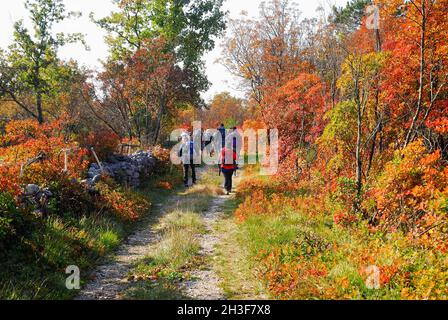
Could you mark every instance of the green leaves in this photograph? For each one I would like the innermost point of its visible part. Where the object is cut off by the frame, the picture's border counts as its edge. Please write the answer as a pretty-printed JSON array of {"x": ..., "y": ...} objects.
[
  {"x": 189, "y": 27},
  {"x": 28, "y": 69},
  {"x": 8, "y": 216},
  {"x": 351, "y": 15}
]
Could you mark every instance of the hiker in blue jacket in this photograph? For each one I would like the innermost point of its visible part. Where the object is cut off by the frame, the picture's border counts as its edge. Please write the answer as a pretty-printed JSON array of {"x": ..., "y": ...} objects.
[{"x": 187, "y": 154}]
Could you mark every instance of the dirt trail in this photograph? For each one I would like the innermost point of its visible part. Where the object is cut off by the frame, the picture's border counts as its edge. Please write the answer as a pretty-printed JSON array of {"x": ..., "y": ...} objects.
[
  {"x": 110, "y": 279},
  {"x": 206, "y": 284}
]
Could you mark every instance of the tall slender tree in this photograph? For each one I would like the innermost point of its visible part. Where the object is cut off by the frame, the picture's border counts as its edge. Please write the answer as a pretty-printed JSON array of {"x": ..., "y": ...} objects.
[{"x": 32, "y": 59}]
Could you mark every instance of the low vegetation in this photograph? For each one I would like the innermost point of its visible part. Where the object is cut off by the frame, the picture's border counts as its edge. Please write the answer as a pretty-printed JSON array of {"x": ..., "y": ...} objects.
[
  {"x": 77, "y": 226},
  {"x": 302, "y": 249}
]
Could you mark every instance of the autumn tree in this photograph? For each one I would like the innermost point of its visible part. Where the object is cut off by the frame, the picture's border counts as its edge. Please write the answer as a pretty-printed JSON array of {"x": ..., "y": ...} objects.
[
  {"x": 226, "y": 109},
  {"x": 30, "y": 67},
  {"x": 139, "y": 92},
  {"x": 324, "y": 51},
  {"x": 352, "y": 122},
  {"x": 417, "y": 72},
  {"x": 265, "y": 53},
  {"x": 188, "y": 27},
  {"x": 295, "y": 110}
]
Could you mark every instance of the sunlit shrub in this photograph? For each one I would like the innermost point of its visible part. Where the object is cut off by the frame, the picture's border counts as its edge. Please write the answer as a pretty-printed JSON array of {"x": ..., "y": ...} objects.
[
  {"x": 164, "y": 164},
  {"x": 411, "y": 187}
]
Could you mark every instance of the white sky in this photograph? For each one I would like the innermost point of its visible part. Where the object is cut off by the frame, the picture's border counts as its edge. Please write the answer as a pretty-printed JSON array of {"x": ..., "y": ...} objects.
[{"x": 13, "y": 10}]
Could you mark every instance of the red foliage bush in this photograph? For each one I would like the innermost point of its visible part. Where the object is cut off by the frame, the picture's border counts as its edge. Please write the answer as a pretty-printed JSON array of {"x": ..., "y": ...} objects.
[
  {"x": 103, "y": 141},
  {"x": 127, "y": 206},
  {"x": 23, "y": 140}
]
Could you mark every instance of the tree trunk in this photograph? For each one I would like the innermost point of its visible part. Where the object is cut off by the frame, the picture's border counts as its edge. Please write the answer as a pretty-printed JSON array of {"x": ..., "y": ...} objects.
[
  {"x": 358, "y": 160},
  {"x": 162, "y": 108},
  {"x": 357, "y": 203},
  {"x": 379, "y": 126},
  {"x": 40, "y": 116},
  {"x": 410, "y": 135}
]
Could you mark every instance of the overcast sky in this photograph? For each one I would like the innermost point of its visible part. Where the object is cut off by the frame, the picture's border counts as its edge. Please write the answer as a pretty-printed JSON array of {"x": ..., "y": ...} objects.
[{"x": 13, "y": 10}]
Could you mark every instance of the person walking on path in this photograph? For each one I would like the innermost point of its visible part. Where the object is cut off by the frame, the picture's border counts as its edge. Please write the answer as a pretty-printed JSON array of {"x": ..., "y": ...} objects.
[
  {"x": 228, "y": 166},
  {"x": 237, "y": 141},
  {"x": 187, "y": 154},
  {"x": 222, "y": 131},
  {"x": 237, "y": 144}
]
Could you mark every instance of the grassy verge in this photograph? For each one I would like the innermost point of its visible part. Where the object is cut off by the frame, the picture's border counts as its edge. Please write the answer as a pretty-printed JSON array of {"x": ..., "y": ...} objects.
[
  {"x": 159, "y": 274},
  {"x": 299, "y": 251},
  {"x": 233, "y": 263},
  {"x": 34, "y": 267}
]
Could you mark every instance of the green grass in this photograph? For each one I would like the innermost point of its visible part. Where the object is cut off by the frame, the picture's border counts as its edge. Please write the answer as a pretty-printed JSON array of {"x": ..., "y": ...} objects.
[
  {"x": 35, "y": 267},
  {"x": 302, "y": 256},
  {"x": 177, "y": 252},
  {"x": 232, "y": 262}
]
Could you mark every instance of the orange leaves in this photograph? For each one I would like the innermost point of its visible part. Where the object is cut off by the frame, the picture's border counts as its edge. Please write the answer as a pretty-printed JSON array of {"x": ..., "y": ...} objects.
[
  {"x": 161, "y": 154},
  {"x": 125, "y": 205},
  {"x": 253, "y": 205},
  {"x": 296, "y": 110},
  {"x": 302, "y": 255},
  {"x": 409, "y": 186},
  {"x": 164, "y": 185},
  {"x": 8, "y": 179},
  {"x": 440, "y": 125},
  {"x": 282, "y": 277},
  {"x": 287, "y": 273},
  {"x": 103, "y": 141},
  {"x": 272, "y": 200},
  {"x": 25, "y": 139},
  {"x": 224, "y": 108},
  {"x": 253, "y": 125},
  {"x": 344, "y": 219}
]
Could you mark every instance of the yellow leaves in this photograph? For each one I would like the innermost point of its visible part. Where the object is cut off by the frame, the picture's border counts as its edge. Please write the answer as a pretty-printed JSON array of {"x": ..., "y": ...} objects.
[{"x": 360, "y": 69}]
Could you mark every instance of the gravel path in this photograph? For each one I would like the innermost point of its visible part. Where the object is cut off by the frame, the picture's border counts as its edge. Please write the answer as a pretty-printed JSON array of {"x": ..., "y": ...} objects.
[
  {"x": 110, "y": 279},
  {"x": 205, "y": 283}
]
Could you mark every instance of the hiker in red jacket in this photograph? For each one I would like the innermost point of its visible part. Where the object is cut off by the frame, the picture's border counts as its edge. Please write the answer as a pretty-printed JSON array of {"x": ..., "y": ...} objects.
[{"x": 228, "y": 166}]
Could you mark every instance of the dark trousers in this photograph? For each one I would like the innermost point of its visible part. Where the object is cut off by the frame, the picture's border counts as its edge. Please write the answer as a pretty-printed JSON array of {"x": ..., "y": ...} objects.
[
  {"x": 228, "y": 175},
  {"x": 186, "y": 172}
]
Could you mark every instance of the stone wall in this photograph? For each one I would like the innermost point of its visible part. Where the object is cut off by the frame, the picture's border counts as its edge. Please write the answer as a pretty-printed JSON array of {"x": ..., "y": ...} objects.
[{"x": 126, "y": 170}]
